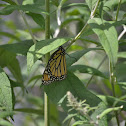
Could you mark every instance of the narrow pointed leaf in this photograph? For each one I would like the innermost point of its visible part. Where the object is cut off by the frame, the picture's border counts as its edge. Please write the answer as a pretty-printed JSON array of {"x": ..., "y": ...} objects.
[
  {"x": 5, "y": 92},
  {"x": 8, "y": 59},
  {"x": 86, "y": 69},
  {"x": 31, "y": 8},
  {"x": 18, "y": 48},
  {"x": 74, "y": 57},
  {"x": 108, "y": 37}
]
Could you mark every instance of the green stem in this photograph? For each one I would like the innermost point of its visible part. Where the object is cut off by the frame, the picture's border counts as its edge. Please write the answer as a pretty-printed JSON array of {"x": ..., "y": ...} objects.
[
  {"x": 94, "y": 11},
  {"x": 82, "y": 30},
  {"x": 97, "y": 68},
  {"x": 29, "y": 29},
  {"x": 47, "y": 20},
  {"x": 118, "y": 9},
  {"x": 26, "y": 23},
  {"x": 78, "y": 35},
  {"x": 112, "y": 81},
  {"x": 69, "y": 121},
  {"x": 123, "y": 115},
  {"x": 46, "y": 110},
  {"x": 47, "y": 36}
]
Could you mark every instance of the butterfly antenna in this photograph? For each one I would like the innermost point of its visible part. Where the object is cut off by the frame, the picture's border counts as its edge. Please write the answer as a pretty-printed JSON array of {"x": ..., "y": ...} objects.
[{"x": 71, "y": 57}]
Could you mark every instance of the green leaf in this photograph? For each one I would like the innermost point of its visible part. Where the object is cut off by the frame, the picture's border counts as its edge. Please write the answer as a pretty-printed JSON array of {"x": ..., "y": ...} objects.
[
  {"x": 34, "y": 78},
  {"x": 117, "y": 23},
  {"x": 31, "y": 8},
  {"x": 124, "y": 16},
  {"x": 70, "y": 19},
  {"x": 121, "y": 15},
  {"x": 112, "y": 101},
  {"x": 25, "y": 2},
  {"x": 54, "y": 113},
  {"x": 79, "y": 123},
  {"x": 5, "y": 123},
  {"x": 38, "y": 18},
  {"x": 18, "y": 48},
  {"x": 91, "y": 4},
  {"x": 122, "y": 54},
  {"x": 120, "y": 72},
  {"x": 40, "y": 2},
  {"x": 9, "y": 1},
  {"x": 62, "y": 2},
  {"x": 110, "y": 4},
  {"x": 74, "y": 57},
  {"x": 30, "y": 111},
  {"x": 107, "y": 36},
  {"x": 16, "y": 84},
  {"x": 35, "y": 100},
  {"x": 70, "y": 116},
  {"x": 76, "y": 4},
  {"x": 118, "y": 90},
  {"x": 57, "y": 92},
  {"x": 74, "y": 48},
  {"x": 4, "y": 114},
  {"x": 105, "y": 112},
  {"x": 88, "y": 31},
  {"x": 9, "y": 35},
  {"x": 3, "y": 5},
  {"x": 55, "y": 2},
  {"x": 8, "y": 59},
  {"x": 72, "y": 84},
  {"x": 99, "y": 110},
  {"x": 41, "y": 48},
  {"x": 86, "y": 69},
  {"x": 5, "y": 92},
  {"x": 76, "y": 11},
  {"x": 123, "y": 86},
  {"x": 88, "y": 39}
]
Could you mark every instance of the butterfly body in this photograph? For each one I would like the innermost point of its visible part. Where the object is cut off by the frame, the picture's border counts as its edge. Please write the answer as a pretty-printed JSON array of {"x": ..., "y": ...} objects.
[{"x": 56, "y": 67}]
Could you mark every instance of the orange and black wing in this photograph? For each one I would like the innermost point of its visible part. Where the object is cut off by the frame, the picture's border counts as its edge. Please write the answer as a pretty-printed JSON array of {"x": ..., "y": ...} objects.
[
  {"x": 46, "y": 78},
  {"x": 56, "y": 67}
]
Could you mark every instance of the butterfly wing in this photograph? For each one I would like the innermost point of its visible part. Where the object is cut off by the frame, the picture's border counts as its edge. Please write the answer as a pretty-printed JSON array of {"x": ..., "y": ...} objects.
[
  {"x": 46, "y": 78},
  {"x": 56, "y": 67}
]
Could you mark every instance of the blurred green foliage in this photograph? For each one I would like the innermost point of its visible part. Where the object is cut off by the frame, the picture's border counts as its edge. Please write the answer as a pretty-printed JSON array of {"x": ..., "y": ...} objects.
[{"x": 88, "y": 80}]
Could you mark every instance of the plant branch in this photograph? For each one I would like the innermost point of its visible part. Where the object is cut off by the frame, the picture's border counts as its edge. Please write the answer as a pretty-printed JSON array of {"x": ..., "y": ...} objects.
[
  {"x": 26, "y": 23},
  {"x": 118, "y": 9},
  {"x": 86, "y": 24},
  {"x": 47, "y": 56},
  {"x": 46, "y": 110},
  {"x": 97, "y": 68},
  {"x": 113, "y": 82}
]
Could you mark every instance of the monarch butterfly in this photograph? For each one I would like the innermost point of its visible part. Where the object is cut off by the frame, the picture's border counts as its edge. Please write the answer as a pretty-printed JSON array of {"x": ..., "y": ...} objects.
[{"x": 56, "y": 67}]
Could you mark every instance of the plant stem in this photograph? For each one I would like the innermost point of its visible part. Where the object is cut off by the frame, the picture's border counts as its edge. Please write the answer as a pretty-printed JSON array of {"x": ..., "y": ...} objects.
[
  {"x": 112, "y": 78},
  {"x": 86, "y": 24},
  {"x": 46, "y": 110},
  {"x": 69, "y": 121},
  {"x": 118, "y": 9},
  {"x": 78, "y": 35},
  {"x": 26, "y": 23},
  {"x": 112, "y": 81},
  {"x": 47, "y": 36},
  {"x": 94, "y": 11},
  {"x": 97, "y": 68}
]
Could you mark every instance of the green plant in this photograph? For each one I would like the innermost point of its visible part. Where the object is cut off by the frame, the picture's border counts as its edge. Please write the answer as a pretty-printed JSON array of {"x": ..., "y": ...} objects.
[{"x": 92, "y": 32}]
